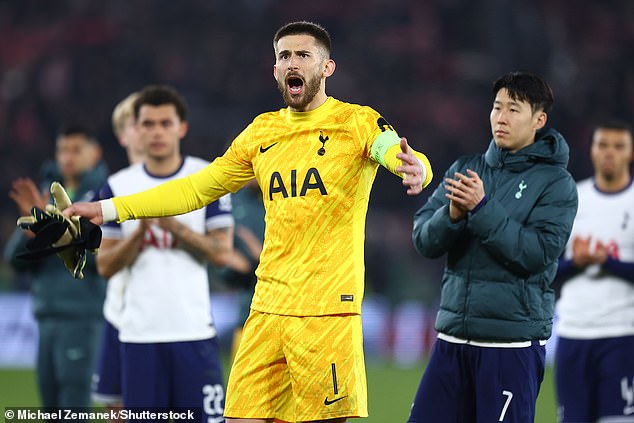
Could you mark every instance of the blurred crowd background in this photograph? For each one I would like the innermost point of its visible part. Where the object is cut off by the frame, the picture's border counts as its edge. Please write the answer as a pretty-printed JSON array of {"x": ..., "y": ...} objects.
[{"x": 426, "y": 65}]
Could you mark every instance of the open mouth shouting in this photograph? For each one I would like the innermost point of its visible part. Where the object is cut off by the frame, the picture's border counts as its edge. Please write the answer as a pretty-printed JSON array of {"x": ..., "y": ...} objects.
[
  {"x": 298, "y": 91},
  {"x": 295, "y": 84}
]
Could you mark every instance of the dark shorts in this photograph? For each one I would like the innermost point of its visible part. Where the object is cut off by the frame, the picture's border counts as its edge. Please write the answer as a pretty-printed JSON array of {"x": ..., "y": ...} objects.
[
  {"x": 176, "y": 376},
  {"x": 466, "y": 383},
  {"x": 595, "y": 379}
]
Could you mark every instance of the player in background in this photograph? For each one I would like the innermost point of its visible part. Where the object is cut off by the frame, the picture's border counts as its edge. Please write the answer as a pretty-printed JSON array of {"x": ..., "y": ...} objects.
[
  {"x": 170, "y": 355},
  {"x": 301, "y": 354},
  {"x": 68, "y": 311},
  {"x": 594, "y": 361},
  {"x": 125, "y": 130},
  {"x": 503, "y": 218},
  {"x": 106, "y": 387}
]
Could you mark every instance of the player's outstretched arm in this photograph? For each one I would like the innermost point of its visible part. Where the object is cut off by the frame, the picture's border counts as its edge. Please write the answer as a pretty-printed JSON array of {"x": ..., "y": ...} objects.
[{"x": 91, "y": 211}]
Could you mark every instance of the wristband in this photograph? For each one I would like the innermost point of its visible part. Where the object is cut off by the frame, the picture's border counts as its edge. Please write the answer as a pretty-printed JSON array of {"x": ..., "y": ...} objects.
[{"x": 108, "y": 210}]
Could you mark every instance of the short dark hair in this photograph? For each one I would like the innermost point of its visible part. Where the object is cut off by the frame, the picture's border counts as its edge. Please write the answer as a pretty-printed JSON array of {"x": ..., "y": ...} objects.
[
  {"x": 159, "y": 95},
  {"x": 614, "y": 123},
  {"x": 304, "y": 27},
  {"x": 69, "y": 130},
  {"x": 528, "y": 87}
]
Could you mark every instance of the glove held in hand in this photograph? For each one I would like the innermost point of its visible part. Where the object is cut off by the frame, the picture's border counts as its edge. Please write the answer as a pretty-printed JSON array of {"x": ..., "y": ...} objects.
[{"x": 57, "y": 234}]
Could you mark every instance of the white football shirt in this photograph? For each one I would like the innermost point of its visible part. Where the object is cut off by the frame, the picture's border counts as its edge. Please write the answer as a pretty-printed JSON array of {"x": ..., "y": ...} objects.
[
  {"x": 113, "y": 303},
  {"x": 166, "y": 295},
  {"x": 596, "y": 303}
]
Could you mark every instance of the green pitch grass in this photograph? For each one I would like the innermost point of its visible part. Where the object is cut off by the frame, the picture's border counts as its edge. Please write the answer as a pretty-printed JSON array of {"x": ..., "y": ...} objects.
[{"x": 390, "y": 391}]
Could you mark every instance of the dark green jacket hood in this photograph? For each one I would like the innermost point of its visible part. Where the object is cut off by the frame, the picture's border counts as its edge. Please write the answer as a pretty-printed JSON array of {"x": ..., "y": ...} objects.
[
  {"x": 549, "y": 147},
  {"x": 90, "y": 180}
]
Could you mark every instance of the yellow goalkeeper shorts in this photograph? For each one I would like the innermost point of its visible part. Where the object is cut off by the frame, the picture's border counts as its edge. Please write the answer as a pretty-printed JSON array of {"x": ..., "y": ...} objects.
[{"x": 293, "y": 369}]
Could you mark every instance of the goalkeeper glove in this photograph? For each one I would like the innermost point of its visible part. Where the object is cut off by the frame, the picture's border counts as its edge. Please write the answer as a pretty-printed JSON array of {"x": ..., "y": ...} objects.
[
  {"x": 87, "y": 232},
  {"x": 69, "y": 238}
]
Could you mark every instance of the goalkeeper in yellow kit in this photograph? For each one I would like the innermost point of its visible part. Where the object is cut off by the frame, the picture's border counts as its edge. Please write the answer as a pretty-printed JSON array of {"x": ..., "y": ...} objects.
[{"x": 301, "y": 356}]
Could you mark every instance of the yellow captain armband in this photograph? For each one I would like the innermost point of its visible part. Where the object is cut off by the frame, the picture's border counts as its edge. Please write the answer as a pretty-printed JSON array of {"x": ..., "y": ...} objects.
[
  {"x": 384, "y": 150},
  {"x": 382, "y": 144}
]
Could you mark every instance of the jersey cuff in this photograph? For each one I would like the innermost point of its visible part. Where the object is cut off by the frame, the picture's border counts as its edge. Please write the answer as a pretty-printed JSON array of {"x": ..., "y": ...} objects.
[{"x": 108, "y": 210}]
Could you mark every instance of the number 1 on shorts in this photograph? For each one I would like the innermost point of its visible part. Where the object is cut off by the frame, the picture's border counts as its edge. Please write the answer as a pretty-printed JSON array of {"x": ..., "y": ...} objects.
[{"x": 333, "y": 369}]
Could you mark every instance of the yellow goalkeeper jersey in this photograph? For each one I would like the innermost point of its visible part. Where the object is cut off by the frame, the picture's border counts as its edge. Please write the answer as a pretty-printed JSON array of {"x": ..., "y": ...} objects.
[{"x": 315, "y": 171}]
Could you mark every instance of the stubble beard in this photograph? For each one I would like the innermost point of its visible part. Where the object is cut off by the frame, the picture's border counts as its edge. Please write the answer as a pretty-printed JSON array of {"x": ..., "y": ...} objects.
[{"x": 299, "y": 102}]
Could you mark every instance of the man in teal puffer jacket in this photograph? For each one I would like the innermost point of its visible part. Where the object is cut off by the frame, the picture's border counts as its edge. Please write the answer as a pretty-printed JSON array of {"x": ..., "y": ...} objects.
[
  {"x": 503, "y": 218},
  {"x": 68, "y": 311}
]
